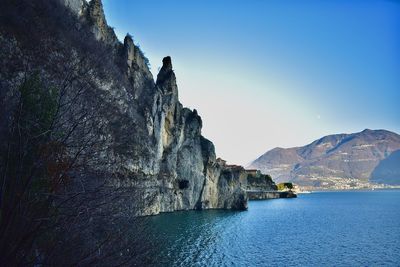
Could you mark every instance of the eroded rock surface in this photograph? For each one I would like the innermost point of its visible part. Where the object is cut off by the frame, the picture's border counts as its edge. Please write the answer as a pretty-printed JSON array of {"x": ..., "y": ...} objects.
[{"x": 152, "y": 148}]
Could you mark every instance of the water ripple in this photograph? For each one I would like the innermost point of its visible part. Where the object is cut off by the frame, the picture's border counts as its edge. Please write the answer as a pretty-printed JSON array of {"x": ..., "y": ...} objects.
[{"x": 332, "y": 229}]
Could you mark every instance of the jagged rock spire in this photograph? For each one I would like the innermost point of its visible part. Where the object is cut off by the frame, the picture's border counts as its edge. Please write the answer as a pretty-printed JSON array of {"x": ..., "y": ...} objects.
[
  {"x": 129, "y": 48},
  {"x": 167, "y": 63},
  {"x": 96, "y": 17},
  {"x": 96, "y": 8},
  {"x": 166, "y": 72}
]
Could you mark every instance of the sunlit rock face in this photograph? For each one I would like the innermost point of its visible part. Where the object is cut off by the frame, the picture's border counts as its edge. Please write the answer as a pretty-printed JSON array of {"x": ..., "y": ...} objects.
[
  {"x": 155, "y": 152},
  {"x": 184, "y": 171},
  {"x": 76, "y": 6}
]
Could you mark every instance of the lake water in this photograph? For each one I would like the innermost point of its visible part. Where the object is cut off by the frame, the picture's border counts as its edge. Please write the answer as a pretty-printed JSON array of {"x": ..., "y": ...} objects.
[{"x": 318, "y": 229}]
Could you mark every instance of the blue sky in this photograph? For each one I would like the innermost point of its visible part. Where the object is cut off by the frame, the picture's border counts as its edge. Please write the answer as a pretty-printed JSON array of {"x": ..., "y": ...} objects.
[{"x": 264, "y": 74}]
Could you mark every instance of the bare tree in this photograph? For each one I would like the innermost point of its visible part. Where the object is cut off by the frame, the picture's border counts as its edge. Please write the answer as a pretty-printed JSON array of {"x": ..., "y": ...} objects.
[{"x": 56, "y": 203}]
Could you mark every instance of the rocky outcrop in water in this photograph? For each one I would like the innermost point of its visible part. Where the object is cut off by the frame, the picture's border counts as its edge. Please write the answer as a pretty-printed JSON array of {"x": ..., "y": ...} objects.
[
  {"x": 262, "y": 195},
  {"x": 261, "y": 186},
  {"x": 256, "y": 181}
]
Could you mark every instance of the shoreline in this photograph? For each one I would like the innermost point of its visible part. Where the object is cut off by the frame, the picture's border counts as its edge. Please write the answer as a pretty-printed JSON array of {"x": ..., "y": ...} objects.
[{"x": 352, "y": 190}]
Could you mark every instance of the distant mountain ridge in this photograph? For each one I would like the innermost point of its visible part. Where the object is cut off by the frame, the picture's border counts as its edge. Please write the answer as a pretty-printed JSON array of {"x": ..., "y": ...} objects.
[{"x": 365, "y": 156}]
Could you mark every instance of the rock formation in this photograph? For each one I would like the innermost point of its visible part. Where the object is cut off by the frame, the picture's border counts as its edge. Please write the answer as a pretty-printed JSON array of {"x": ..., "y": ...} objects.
[
  {"x": 152, "y": 148},
  {"x": 180, "y": 171},
  {"x": 256, "y": 181},
  {"x": 89, "y": 140}
]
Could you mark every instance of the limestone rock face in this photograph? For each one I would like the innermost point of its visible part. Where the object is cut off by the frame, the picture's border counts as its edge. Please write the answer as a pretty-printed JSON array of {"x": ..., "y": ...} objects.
[
  {"x": 76, "y": 6},
  {"x": 187, "y": 174},
  {"x": 94, "y": 14},
  {"x": 137, "y": 69},
  {"x": 152, "y": 151},
  {"x": 172, "y": 167}
]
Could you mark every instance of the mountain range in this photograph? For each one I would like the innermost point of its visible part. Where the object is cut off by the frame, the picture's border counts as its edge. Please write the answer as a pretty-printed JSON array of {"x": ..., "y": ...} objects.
[{"x": 337, "y": 161}]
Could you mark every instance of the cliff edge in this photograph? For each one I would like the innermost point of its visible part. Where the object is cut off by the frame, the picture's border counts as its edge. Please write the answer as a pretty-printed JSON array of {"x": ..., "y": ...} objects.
[{"x": 149, "y": 147}]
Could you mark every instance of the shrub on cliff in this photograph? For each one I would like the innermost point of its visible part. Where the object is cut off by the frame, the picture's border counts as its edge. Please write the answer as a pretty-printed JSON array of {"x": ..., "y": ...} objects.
[{"x": 285, "y": 186}]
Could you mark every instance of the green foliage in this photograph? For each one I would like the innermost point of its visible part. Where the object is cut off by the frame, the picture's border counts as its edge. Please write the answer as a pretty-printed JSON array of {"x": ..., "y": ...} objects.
[
  {"x": 142, "y": 55},
  {"x": 284, "y": 186},
  {"x": 38, "y": 106},
  {"x": 33, "y": 121},
  {"x": 26, "y": 182}
]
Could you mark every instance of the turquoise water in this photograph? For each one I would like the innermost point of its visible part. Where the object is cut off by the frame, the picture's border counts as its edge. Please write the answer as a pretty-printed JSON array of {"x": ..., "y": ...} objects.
[{"x": 318, "y": 229}]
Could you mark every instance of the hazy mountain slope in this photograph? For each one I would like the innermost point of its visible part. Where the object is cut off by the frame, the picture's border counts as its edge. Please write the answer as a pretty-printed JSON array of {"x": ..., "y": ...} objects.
[
  {"x": 388, "y": 170},
  {"x": 340, "y": 156}
]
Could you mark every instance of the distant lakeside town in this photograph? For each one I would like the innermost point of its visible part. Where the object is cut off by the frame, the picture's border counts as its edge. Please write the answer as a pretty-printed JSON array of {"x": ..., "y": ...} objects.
[{"x": 335, "y": 183}]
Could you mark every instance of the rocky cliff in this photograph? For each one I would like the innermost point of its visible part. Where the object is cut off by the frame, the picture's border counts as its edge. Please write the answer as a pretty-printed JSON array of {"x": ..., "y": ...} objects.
[
  {"x": 149, "y": 145},
  {"x": 256, "y": 181},
  {"x": 336, "y": 160}
]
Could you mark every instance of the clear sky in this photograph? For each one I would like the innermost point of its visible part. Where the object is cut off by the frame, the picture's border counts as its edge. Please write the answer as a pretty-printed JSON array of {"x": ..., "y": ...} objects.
[{"x": 264, "y": 74}]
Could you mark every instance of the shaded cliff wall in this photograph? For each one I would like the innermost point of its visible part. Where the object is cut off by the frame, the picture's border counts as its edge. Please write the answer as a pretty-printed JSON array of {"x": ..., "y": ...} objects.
[
  {"x": 260, "y": 195},
  {"x": 258, "y": 181}
]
